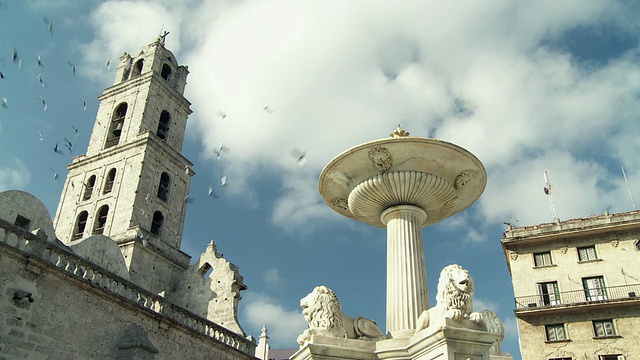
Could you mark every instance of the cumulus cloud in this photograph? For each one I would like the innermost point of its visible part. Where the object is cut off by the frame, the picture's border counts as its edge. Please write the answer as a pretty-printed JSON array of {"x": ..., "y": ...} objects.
[
  {"x": 14, "y": 177},
  {"x": 284, "y": 325},
  {"x": 494, "y": 78}
]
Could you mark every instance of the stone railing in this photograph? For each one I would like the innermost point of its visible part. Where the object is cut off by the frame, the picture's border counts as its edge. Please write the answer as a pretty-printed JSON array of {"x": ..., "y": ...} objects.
[
  {"x": 575, "y": 297},
  {"x": 72, "y": 264}
]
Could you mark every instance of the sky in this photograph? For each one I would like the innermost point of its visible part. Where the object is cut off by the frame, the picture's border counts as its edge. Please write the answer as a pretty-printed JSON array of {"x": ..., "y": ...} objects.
[{"x": 527, "y": 87}]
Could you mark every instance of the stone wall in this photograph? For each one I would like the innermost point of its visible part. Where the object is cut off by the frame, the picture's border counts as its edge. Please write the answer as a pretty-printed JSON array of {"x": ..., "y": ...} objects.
[{"x": 56, "y": 305}]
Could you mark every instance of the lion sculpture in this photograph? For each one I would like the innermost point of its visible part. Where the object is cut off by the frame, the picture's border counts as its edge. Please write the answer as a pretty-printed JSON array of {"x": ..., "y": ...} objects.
[
  {"x": 322, "y": 311},
  {"x": 454, "y": 300}
]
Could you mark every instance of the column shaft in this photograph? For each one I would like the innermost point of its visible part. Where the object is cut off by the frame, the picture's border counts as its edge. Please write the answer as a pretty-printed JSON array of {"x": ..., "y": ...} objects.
[{"x": 407, "y": 293}]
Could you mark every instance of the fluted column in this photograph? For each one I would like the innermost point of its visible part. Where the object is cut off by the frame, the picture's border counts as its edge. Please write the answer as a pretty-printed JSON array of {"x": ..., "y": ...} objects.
[{"x": 407, "y": 293}]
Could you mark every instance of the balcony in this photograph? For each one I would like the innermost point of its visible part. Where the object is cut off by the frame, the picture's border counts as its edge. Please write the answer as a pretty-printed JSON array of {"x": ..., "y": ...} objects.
[{"x": 578, "y": 297}]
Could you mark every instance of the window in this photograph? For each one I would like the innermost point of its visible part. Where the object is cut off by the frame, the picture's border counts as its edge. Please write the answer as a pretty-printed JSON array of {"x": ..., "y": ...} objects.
[
  {"x": 137, "y": 68},
  {"x": 117, "y": 124},
  {"x": 88, "y": 187},
  {"x": 205, "y": 270},
  {"x": 163, "y": 124},
  {"x": 542, "y": 259},
  {"x": 555, "y": 332},
  {"x": 587, "y": 253},
  {"x": 604, "y": 328},
  {"x": 163, "y": 187},
  {"x": 22, "y": 222},
  {"x": 101, "y": 220},
  {"x": 594, "y": 289},
  {"x": 81, "y": 223},
  {"x": 108, "y": 184},
  {"x": 156, "y": 223},
  {"x": 611, "y": 357},
  {"x": 166, "y": 71},
  {"x": 549, "y": 294}
]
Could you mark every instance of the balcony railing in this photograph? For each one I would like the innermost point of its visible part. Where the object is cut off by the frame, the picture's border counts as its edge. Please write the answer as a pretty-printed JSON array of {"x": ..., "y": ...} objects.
[{"x": 583, "y": 296}]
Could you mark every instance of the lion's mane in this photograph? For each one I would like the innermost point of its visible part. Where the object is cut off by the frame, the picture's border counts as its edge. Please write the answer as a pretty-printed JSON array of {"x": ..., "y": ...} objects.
[
  {"x": 325, "y": 312},
  {"x": 449, "y": 295}
]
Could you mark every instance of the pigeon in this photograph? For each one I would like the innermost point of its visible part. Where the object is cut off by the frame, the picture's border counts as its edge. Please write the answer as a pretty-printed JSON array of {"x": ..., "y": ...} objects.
[
  {"x": 223, "y": 180},
  {"x": 220, "y": 150},
  {"x": 300, "y": 156},
  {"x": 14, "y": 55},
  {"x": 55, "y": 149},
  {"x": 1, "y": 75},
  {"x": 75, "y": 129},
  {"x": 40, "y": 80},
  {"x": 39, "y": 61},
  {"x": 73, "y": 68},
  {"x": 267, "y": 109},
  {"x": 40, "y": 135},
  {"x": 222, "y": 114},
  {"x": 84, "y": 104},
  {"x": 44, "y": 103},
  {"x": 5, "y": 103},
  {"x": 68, "y": 144},
  {"x": 49, "y": 24},
  {"x": 211, "y": 193},
  {"x": 108, "y": 64},
  {"x": 55, "y": 174}
]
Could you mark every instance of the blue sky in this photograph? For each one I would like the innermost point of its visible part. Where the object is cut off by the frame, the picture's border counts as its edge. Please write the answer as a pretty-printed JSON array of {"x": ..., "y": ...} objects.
[{"x": 526, "y": 86}]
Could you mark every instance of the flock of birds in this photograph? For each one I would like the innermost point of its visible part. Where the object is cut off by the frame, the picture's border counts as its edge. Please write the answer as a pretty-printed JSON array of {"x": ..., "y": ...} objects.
[{"x": 66, "y": 146}]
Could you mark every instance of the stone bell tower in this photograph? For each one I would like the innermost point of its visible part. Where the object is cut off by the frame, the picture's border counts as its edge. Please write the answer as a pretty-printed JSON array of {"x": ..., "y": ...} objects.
[{"x": 133, "y": 182}]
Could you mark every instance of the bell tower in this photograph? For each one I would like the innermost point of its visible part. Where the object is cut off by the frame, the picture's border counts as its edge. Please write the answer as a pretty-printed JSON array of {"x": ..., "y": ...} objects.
[{"x": 133, "y": 182}]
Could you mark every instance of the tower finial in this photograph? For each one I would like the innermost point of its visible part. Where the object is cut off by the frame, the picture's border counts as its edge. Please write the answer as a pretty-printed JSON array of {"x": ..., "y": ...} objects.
[
  {"x": 399, "y": 133},
  {"x": 163, "y": 37}
]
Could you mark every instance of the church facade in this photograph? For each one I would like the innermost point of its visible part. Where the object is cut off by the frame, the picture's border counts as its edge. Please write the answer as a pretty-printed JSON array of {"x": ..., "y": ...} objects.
[{"x": 106, "y": 277}]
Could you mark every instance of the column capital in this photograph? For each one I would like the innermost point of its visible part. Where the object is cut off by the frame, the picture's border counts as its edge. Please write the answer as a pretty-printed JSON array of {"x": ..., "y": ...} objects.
[{"x": 394, "y": 211}]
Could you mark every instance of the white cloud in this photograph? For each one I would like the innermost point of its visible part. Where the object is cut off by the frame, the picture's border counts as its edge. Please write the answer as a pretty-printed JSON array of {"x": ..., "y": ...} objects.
[
  {"x": 482, "y": 304},
  {"x": 283, "y": 325},
  {"x": 483, "y": 76},
  {"x": 14, "y": 177},
  {"x": 510, "y": 327}
]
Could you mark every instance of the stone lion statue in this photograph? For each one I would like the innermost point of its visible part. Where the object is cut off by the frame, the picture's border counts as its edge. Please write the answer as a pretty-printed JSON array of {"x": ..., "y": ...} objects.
[
  {"x": 454, "y": 299},
  {"x": 322, "y": 311},
  {"x": 494, "y": 325}
]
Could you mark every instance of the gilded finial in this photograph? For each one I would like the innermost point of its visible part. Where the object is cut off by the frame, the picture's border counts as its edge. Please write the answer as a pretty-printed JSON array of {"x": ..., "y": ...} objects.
[{"x": 399, "y": 133}]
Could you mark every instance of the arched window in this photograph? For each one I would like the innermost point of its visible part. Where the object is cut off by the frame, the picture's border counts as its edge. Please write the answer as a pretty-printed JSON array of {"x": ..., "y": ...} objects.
[
  {"x": 156, "y": 223},
  {"x": 163, "y": 186},
  {"x": 101, "y": 220},
  {"x": 163, "y": 124},
  {"x": 137, "y": 68},
  {"x": 81, "y": 223},
  {"x": 166, "y": 71},
  {"x": 88, "y": 187},
  {"x": 117, "y": 123},
  {"x": 108, "y": 184}
]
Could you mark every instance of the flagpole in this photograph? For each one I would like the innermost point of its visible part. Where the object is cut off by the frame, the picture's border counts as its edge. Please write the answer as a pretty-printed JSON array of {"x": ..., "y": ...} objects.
[
  {"x": 628, "y": 188},
  {"x": 547, "y": 190}
]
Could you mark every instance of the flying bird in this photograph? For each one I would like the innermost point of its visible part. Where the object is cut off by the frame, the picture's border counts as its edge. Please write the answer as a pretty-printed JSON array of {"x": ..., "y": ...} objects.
[
  {"x": 14, "y": 55},
  {"x": 1, "y": 75},
  {"x": 220, "y": 150},
  {"x": 49, "y": 24},
  {"x": 188, "y": 199},
  {"x": 108, "y": 64},
  {"x": 84, "y": 104},
  {"x": 40, "y": 135},
  {"x": 44, "y": 103},
  {"x": 68, "y": 144},
  {"x": 301, "y": 156},
  {"x": 39, "y": 61},
  {"x": 73, "y": 67},
  {"x": 55, "y": 174},
  {"x": 40, "y": 80},
  {"x": 5, "y": 103},
  {"x": 267, "y": 109},
  {"x": 222, "y": 114},
  {"x": 75, "y": 129},
  {"x": 55, "y": 149},
  {"x": 223, "y": 180}
]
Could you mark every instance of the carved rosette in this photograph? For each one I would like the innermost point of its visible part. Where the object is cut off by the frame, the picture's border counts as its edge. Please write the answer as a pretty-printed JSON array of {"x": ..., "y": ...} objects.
[
  {"x": 464, "y": 177},
  {"x": 381, "y": 158},
  {"x": 340, "y": 203},
  {"x": 429, "y": 192}
]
